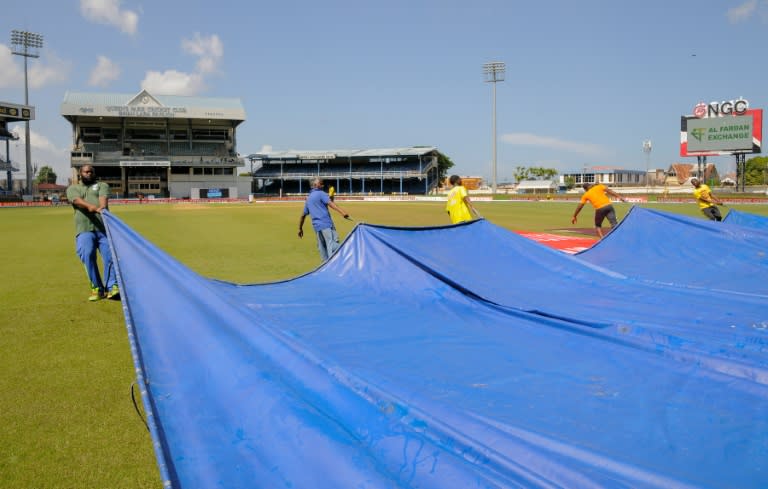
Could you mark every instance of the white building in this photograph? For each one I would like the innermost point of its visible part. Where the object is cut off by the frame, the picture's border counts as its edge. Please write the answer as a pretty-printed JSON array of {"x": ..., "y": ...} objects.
[
  {"x": 158, "y": 145},
  {"x": 610, "y": 176}
]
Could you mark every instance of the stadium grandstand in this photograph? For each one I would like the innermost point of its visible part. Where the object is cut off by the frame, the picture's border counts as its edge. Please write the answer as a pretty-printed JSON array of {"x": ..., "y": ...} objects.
[
  {"x": 11, "y": 190},
  {"x": 158, "y": 145},
  {"x": 399, "y": 171}
]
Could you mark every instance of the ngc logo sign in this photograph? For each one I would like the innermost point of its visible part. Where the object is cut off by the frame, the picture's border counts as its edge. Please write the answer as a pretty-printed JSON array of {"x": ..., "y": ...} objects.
[{"x": 719, "y": 109}]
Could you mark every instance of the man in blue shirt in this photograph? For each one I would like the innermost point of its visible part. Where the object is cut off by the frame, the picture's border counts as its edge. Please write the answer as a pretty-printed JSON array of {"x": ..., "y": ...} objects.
[{"x": 316, "y": 206}]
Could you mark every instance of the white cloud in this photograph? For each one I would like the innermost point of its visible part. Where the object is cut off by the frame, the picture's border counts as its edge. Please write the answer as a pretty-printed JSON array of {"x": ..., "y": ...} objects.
[
  {"x": 104, "y": 72},
  {"x": 39, "y": 142},
  {"x": 44, "y": 153},
  {"x": 47, "y": 70},
  {"x": 109, "y": 12},
  {"x": 52, "y": 70},
  {"x": 13, "y": 75},
  {"x": 742, "y": 12},
  {"x": 527, "y": 139},
  {"x": 172, "y": 82},
  {"x": 209, "y": 49}
]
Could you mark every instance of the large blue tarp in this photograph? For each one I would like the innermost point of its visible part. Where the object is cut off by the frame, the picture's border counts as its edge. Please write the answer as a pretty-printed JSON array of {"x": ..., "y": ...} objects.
[
  {"x": 460, "y": 356},
  {"x": 746, "y": 219},
  {"x": 672, "y": 249}
]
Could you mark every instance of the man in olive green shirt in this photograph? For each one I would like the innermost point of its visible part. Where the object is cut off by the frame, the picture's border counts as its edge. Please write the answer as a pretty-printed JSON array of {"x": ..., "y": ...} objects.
[{"x": 89, "y": 198}]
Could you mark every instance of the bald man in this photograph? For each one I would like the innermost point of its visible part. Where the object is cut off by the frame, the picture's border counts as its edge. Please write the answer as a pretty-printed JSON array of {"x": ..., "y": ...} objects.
[{"x": 89, "y": 198}]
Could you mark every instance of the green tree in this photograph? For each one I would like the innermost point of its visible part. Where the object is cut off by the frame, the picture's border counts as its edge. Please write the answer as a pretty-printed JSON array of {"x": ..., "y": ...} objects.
[
  {"x": 46, "y": 175},
  {"x": 536, "y": 172},
  {"x": 548, "y": 173},
  {"x": 444, "y": 164},
  {"x": 756, "y": 170},
  {"x": 570, "y": 182},
  {"x": 521, "y": 173}
]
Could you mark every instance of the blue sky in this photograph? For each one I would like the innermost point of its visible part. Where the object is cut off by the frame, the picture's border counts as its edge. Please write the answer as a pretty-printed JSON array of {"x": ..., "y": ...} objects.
[{"x": 586, "y": 81}]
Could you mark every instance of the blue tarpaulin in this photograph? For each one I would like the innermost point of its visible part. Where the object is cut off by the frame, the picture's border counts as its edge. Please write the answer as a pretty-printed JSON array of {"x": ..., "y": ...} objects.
[
  {"x": 746, "y": 219},
  {"x": 460, "y": 356},
  {"x": 682, "y": 251}
]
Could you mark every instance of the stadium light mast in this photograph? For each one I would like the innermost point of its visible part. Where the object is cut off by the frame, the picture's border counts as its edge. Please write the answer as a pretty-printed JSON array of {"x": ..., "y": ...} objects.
[
  {"x": 253, "y": 157},
  {"x": 494, "y": 72},
  {"x": 647, "y": 146},
  {"x": 26, "y": 44}
]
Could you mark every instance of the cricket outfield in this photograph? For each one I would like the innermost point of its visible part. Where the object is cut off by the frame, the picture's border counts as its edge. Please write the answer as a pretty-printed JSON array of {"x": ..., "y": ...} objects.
[{"x": 67, "y": 411}]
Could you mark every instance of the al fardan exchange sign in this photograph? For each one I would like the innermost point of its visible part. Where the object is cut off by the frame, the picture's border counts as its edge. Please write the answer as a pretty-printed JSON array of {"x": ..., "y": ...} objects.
[{"x": 720, "y": 134}]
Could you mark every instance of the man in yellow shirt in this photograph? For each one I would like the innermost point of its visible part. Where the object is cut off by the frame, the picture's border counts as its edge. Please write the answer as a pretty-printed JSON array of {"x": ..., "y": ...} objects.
[
  {"x": 707, "y": 202},
  {"x": 459, "y": 207},
  {"x": 597, "y": 195}
]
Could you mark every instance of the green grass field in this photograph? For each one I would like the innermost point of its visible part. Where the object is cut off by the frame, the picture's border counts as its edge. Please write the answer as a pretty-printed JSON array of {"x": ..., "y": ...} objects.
[{"x": 68, "y": 420}]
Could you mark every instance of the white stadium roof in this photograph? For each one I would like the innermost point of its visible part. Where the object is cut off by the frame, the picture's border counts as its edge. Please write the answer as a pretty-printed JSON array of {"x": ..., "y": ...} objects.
[
  {"x": 536, "y": 184},
  {"x": 145, "y": 104},
  {"x": 344, "y": 153}
]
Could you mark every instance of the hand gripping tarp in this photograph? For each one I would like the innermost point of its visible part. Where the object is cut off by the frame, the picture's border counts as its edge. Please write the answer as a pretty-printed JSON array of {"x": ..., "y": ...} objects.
[{"x": 461, "y": 356}]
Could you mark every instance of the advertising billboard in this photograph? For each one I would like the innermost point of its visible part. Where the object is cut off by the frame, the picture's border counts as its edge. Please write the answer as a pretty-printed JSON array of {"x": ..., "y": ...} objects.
[
  {"x": 720, "y": 134},
  {"x": 14, "y": 112},
  {"x": 724, "y": 135}
]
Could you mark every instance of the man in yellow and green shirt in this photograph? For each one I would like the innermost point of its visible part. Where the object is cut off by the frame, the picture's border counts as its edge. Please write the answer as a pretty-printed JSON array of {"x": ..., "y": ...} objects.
[
  {"x": 707, "y": 202},
  {"x": 459, "y": 207}
]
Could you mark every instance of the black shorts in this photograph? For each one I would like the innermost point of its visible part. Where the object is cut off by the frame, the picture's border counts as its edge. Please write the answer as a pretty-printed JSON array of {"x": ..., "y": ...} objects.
[
  {"x": 712, "y": 213},
  {"x": 603, "y": 212}
]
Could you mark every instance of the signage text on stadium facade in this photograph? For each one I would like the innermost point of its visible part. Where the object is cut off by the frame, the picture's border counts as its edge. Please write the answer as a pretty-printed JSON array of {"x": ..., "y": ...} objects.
[
  {"x": 138, "y": 111},
  {"x": 718, "y": 109}
]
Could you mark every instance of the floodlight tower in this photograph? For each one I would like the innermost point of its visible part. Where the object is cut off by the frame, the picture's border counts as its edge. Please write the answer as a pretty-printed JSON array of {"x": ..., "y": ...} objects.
[
  {"x": 26, "y": 44},
  {"x": 253, "y": 157},
  {"x": 494, "y": 72},
  {"x": 647, "y": 146}
]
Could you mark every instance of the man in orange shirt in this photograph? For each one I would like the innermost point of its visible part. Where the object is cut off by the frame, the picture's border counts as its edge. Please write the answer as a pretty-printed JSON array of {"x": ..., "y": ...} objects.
[{"x": 597, "y": 195}]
